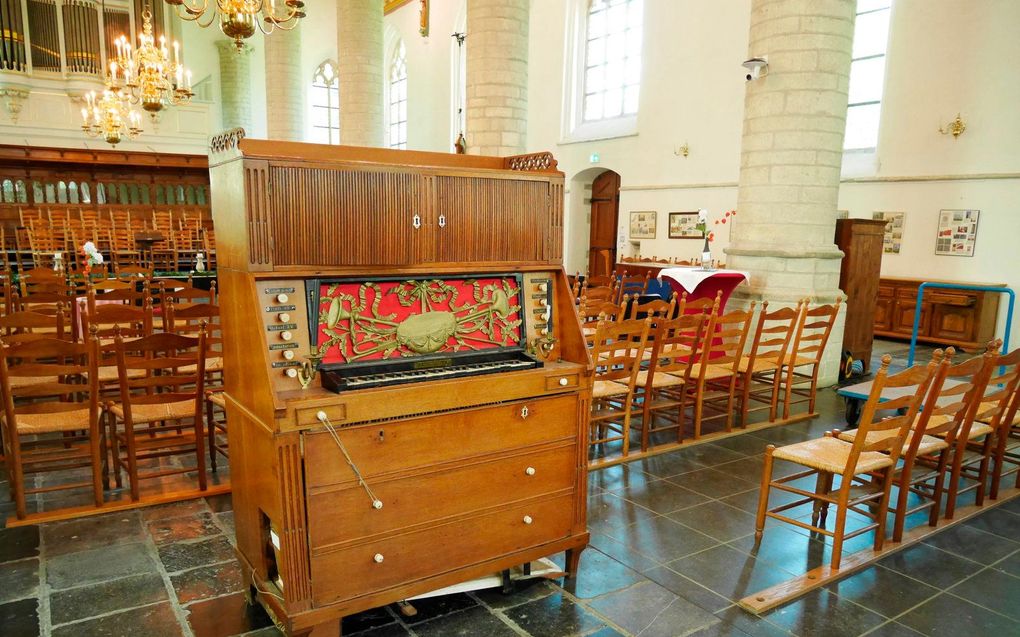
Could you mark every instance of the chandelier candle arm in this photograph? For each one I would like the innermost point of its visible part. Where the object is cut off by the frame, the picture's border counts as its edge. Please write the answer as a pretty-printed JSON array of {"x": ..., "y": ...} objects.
[
  {"x": 150, "y": 76},
  {"x": 240, "y": 18}
]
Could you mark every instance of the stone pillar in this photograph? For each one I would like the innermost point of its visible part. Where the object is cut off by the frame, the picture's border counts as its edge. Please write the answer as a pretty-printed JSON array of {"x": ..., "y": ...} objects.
[
  {"x": 285, "y": 86},
  {"x": 791, "y": 153},
  {"x": 235, "y": 85},
  {"x": 360, "y": 67},
  {"x": 497, "y": 76}
]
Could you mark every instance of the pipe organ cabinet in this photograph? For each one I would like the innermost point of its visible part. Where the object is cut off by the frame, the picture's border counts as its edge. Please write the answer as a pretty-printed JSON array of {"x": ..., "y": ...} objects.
[{"x": 407, "y": 387}]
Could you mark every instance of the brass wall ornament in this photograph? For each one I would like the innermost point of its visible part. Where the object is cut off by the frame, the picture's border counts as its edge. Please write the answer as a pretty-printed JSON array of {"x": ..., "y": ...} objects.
[{"x": 955, "y": 127}]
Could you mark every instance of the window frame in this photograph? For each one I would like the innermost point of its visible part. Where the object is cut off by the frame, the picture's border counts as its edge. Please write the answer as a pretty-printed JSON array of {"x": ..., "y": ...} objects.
[
  {"x": 872, "y": 149},
  {"x": 399, "y": 55},
  {"x": 332, "y": 90}
]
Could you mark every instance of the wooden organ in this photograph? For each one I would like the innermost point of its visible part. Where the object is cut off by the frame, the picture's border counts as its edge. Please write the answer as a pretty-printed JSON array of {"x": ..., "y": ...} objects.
[{"x": 444, "y": 435}]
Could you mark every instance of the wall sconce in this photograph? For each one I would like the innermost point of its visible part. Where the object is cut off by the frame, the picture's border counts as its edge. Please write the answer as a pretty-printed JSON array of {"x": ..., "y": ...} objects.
[
  {"x": 682, "y": 151},
  {"x": 956, "y": 127}
]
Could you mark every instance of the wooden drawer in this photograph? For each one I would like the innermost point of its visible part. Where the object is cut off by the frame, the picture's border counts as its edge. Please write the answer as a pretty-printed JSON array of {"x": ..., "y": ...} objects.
[
  {"x": 886, "y": 291},
  {"x": 419, "y": 442},
  {"x": 377, "y": 565},
  {"x": 346, "y": 514},
  {"x": 948, "y": 298}
]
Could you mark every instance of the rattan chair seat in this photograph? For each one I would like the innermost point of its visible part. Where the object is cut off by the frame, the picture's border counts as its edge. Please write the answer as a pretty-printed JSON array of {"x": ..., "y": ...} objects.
[
  {"x": 74, "y": 420},
  {"x": 929, "y": 444},
  {"x": 760, "y": 364},
  {"x": 606, "y": 388},
  {"x": 661, "y": 379},
  {"x": 143, "y": 413},
  {"x": 831, "y": 455}
]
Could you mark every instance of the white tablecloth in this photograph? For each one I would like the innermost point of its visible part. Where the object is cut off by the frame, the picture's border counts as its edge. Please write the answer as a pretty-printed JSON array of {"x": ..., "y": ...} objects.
[{"x": 691, "y": 278}]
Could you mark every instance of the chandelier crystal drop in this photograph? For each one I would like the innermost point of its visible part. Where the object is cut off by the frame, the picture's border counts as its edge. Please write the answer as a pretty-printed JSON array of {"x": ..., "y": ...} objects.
[
  {"x": 240, "y": 18},
  {"x": 110, "y": 116},
  {"x": 148, "y": 75}
]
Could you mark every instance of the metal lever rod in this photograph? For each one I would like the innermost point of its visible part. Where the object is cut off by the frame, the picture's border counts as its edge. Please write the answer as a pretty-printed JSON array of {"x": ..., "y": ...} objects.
[{"x": 324, "y": 419}]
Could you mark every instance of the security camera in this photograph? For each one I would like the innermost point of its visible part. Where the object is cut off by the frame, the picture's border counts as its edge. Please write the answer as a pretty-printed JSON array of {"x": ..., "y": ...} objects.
[{"x": 757, "y": 67}]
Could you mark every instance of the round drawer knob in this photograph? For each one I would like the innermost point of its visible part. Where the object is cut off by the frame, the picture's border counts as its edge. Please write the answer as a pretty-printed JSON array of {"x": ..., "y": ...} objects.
[
  {"x": 543, "y": 287},
  {"x": 563, "y": 382},
  {"x": 285, "y": 335},
  {"x": 288, "y": 354},
  {"x": 283, "y": 317},
  {"x": 527, "y": 519},
  {"x": 378, "y": 558},
  {"x": 530, "y": 471},
  {"x": 291, "y": 372},
  {"x": 282, "y": 298},
  {"x": 377, "y": 504}
]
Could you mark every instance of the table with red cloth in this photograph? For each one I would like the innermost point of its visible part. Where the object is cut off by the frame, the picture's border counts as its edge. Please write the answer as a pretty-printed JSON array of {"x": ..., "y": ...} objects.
[{"x": 699, "y": 283}]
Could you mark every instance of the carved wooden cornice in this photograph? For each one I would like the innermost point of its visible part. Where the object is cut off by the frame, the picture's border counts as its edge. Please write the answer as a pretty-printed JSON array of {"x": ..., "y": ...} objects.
[{"x": 227, "y": 140}]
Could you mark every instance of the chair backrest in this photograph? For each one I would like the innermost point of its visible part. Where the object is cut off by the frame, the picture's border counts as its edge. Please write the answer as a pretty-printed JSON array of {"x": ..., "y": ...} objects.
[
  {"x": 702, "y": 305},
  {"x": 50, "y": 372},
  {"x": 916, "y": 380},
  {"x": 109, "y": 320},
  {"x": 725, "y": 344},
  {"x": 773, "y": 333},
  {"x": 161, "y": 368},
  {"x": 813, "y": 332},
  {"x": 654, "y": 309},
  {"x": 1001, "y": 390},
  {"x": 133, "y": 273},
  {"x": 633, "y": 284},
  {"x": 618, "y": 348},
  {"x": 676, "y": 346},
  {"x": 181, "y": 293},
  {"x": 601, "y": 280},
  {"x": 193, "y": 319},
  {"x": 950, "y": 411},
  {"x": 599, "y": 310},
  {"x": 20, "y": 327}
]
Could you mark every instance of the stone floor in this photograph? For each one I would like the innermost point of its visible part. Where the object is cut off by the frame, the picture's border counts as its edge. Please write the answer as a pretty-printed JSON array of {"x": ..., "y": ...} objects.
[{"x": 672, "y": 551}]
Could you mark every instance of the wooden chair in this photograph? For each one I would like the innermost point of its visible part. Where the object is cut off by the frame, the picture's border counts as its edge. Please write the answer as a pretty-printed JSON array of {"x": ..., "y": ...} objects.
[
  {"x": 209, "y": 242},
  {"x": 617, "y": 351},
  {"x": 1008, "y": 429},
  {"x": 721, "y": 354},
  {"x": 106, "y": 322},
  {"x": 654, "y": 309},
  {"x": 632, "y": 284},
  {"x": 216, "y": 429},
  {"x": 190, "y": 320},
  {"x": 599, "y": 294},
  {"x": 873, "y": 454},
  {"x": 703, "y": 305},
  {"x": 51, "y": 421},
  {"x": 602, "y": 280},
  {"x": 759, "y": 371},
  {"x": 806, "y": 351},
  {"x": 674, "y": 349},
  {"x": 123, "y": 251},
  {"x": 161, "y": 411},
  {"x": 24, "y": 326}
]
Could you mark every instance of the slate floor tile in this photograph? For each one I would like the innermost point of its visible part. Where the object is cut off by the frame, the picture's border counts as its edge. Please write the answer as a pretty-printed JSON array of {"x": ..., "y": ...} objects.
[
  {"x": 554, "y": 616},
  {"x": 599, "y": 574},
  {"x": 433, "y": 607},
  {"x": 711, "y": 455},
  {"x": 744, "y": 445},
  {"x": 367, "y": 621},
  {"x": 1009, "y": 565},
  {"x": 821, "y": 612},
  {"x": 736, "y": 622},
  {"x": 19, "y": 580},
  {"x": 175, "y": 509},
  {"x": 716, "y": 520},
  {"x": 620, "y": 551},
  {"x": 389, "y": 630},
  {"x": 950, "y": 616},
  {"x": 220, "y": 503},
  {"x": 20, "y": 619},
  {"x": 714, "y": 484},
  {"x": 92, "y": 532},
  {"x": 610, "y": 512},
  {"x": 98, "y": 565},
  {"x": 884, "y": 591},
  {"x": 524, "y": 590},
  {"x": 468, "y": 623},
  {"x": 208, "y": 581},
  {"x": 618, "y": 477},
  {"x": 973, "y": 543},
  {"x": 661, "y": 496},
  {"x": 679, "y": 618},
  {"x": 687, "y": 588},
  {"x": 893, "y": 629},
  {"x": 105, "y": 597},
  {"x": 728, "y": 572},
  {"x": 18, "y": 543},
  {"x": 223, "y": 616},
  {"x": 669, "y": 464},
  {"x": 157, "y": 619},
  {"x": 930, "y": 565},
  {"x": 184, "y": 555},
  {"x": 634, "y": 608},
  {"x": 992, "y": 589},
  {"x": 997, "y": 521},
  {"x": 169, "y": 530},
  {"x": 662, "y": 539}
]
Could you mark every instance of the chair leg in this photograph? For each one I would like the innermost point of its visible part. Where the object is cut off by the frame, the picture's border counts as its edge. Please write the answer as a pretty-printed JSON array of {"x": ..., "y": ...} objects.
[
  {"x": 699, "y": 403},
  {"x": 203, "y": 482},
  {"x": 132, "y": 460},
  {"x": 763, "y": 494},
  {"x": 745, "y": 398},
  {"x": 813, "y": 395},
  {"x": 900, "y": 519},
  {"x": 821, "y": 508},
  {"x": 96, "y": 452},
  {"x": 774, "y": 407},
  {"x": 883, "y": 509},
  {"x": 210, "y": 425},
  {"x": 789, "y": 395},
  {"x": 939, "y": 488},
  {"x": 986, "y": 452},
  {"x": 18, "y": 479},
  {"x": 840, "y": 528},
  {"x": 115, "y": 450},
  {"x": 1000, "y": 462},
  {"x": 954, "y": 480}
]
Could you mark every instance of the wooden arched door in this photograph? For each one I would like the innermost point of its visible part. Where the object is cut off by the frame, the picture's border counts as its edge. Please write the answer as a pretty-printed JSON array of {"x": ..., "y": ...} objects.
[{"x": 605, "y": 215}]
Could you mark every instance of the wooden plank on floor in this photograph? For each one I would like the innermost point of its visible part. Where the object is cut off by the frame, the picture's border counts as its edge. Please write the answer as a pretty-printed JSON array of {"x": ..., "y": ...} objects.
[
  {"x": 791, "y": 589},
  {"x": 109, "y": 507}
]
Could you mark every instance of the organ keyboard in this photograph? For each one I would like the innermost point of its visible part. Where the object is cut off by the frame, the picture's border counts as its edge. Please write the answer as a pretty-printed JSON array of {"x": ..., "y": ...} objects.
[{"x": 427, "y": 293}]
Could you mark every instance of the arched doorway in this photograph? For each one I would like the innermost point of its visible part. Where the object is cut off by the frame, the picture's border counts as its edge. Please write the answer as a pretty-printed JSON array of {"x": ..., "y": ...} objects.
[{"x": 605, "y": 218}]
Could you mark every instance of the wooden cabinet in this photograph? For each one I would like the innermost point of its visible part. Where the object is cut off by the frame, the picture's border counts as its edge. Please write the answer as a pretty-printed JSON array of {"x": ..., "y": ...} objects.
[
  {"x": 861, "y": 243},
  {"x": 962, "y": 318}
]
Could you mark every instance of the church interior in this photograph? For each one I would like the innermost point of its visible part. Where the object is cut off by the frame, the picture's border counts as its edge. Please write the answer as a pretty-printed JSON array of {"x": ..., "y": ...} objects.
[{"x": 434, "y": 318}]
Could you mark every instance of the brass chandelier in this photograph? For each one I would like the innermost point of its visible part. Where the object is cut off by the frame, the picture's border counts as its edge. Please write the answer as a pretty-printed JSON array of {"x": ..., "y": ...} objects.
[
  {"x": 110, "y": 116},
  {"x": 148, "y": 75},
  {"x": 240, "y": 18}
]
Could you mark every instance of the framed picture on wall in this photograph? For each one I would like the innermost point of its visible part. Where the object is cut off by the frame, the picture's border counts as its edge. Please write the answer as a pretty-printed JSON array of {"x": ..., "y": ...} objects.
[
  {"x": 682, "y": 225},
  {"x": 642, "y": 224},
  {"x": 957, "y": 233},
  {"x": 893, "y": 230}
]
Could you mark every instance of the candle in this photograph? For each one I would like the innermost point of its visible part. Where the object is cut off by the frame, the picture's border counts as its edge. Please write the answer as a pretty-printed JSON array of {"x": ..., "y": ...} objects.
[
  {"x": 177, "y": 57},
  {"x": 113, "y": 71},
  {"x": 85, "y": 115},
  {"x": 180, "y": 76},
  {"x": 187, "y": 83}
]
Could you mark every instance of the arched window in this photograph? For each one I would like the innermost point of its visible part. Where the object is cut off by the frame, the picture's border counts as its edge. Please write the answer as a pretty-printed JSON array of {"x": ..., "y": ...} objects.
[
  {"x": 398, "y": 97},
  {"x": 20, "y": 192},
  {"x": 326, "y": 104},
  {"x": 72, "y": 192},
  {"x": 61, "y": 192},
  {"x": 37, "y": 192},
  {"x": 8, "y": 190},
  {"x": 100, "y": 193},
  {"x": 867, "y": 74},
  {"x": 201, "y": 195},
  {"x": 86, "y": 197},
  {"x": 612, "y": 59}
]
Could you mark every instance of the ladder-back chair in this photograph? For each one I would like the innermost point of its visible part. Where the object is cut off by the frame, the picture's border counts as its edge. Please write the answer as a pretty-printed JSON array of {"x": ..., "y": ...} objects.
[
  {"x": 722, "y": 353},
  {"x": 675, "y": 349},
  {"x": 617, "y": 352},
  {"x": 807, "y": 350},
  {"x": 759, "y": 371}
]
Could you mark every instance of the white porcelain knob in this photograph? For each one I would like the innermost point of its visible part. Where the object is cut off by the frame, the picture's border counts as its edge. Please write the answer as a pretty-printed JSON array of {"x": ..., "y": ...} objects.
[
  {"x": 378, "y": 558},
  {"x": 543, "y": 303},
  {"x": 285, "y": 335},
  {"x": 283, "y": 317},
  {"x": 527, "y": 519},
  {"x": 321, "y": 416},
  {"x": 530, "y": 471},
  {"x": 291, "y": 372},
  {"x": 288, "y": 354},
  {"x": 563, "y": 382},
  {"x": 282, "y": 298},
  {"x": 543, "y": 287},
  {"x": 542, "y": 331},
  {"x": 377, "y": 504}
]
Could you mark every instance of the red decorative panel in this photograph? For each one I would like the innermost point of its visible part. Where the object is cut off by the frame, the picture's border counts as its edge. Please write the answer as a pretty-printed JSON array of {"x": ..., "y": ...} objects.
[{"x": 375, "y": 320}]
